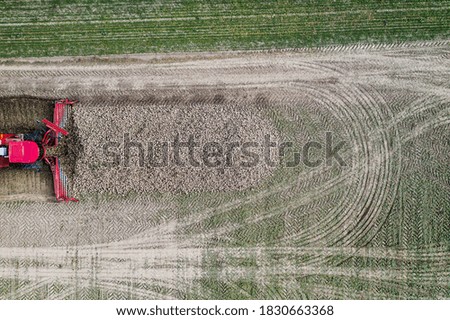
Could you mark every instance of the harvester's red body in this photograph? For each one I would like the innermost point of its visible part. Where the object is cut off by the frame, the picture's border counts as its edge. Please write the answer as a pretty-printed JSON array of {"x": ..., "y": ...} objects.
[
  {"x": 15, "y": 149},
  {"x": 18, "y": 150}
]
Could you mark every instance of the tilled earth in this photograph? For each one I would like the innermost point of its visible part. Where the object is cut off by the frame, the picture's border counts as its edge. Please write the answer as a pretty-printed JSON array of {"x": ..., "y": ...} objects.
[{"x": 20, "y": 114}]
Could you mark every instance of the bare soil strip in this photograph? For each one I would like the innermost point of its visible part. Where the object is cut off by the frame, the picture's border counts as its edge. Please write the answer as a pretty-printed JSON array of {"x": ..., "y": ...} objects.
[{"x": 20, "y": 114}]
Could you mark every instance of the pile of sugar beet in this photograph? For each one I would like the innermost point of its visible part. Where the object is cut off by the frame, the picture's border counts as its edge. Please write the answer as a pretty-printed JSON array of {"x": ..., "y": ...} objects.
[{"x": 177, "y": 145}]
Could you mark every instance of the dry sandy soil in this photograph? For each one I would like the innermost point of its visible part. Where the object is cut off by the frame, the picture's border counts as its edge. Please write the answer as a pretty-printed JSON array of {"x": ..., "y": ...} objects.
[{"x": 145, "y": 232}]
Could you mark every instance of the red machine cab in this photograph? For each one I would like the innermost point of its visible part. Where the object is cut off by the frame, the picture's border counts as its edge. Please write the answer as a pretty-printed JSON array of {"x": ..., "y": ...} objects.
[{"x": 23, "y": 152}]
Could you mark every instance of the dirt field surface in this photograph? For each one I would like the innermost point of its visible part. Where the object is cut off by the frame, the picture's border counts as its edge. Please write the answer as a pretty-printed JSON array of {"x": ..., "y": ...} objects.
[
  {"x": 374, "y": 228},
  {"x": 20, "y": 114}
]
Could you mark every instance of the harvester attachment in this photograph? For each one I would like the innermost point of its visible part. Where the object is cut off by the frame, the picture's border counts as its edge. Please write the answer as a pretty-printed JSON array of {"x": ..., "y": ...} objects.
[
  {"x": 60, "y": 181},
  {"x": 51, "y": 139},
  {"x": 63, "y": 109},
  {"x": 56, "y": 130}
]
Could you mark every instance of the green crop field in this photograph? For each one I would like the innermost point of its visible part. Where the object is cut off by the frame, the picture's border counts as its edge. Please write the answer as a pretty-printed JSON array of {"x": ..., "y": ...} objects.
[{"x": 89, "y": 27}]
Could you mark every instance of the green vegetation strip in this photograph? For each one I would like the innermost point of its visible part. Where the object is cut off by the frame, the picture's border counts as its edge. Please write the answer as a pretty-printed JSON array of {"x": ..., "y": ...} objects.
[{"x": 89, "y": 27}]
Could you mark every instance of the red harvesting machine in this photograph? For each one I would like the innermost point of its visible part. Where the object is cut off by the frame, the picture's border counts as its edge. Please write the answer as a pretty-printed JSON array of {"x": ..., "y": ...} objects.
[{"x": 19, "y": 150}]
